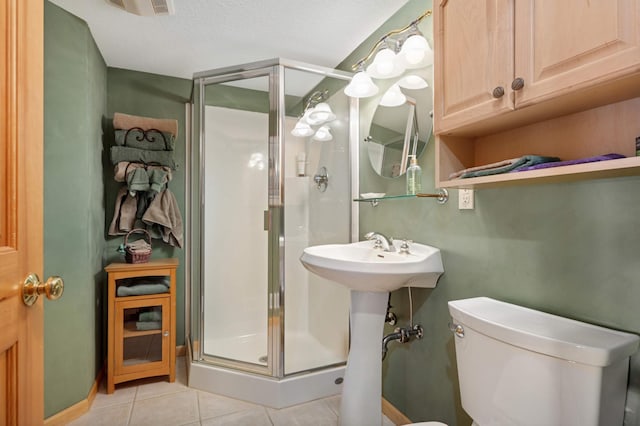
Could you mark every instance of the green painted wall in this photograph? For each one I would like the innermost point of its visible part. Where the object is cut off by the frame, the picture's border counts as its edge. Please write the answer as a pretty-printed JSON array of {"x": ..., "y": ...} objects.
[
  {"x": 148, "y": 95},
  {"x": 569, "y": 249},
  {"x": 75, "y": 86}
]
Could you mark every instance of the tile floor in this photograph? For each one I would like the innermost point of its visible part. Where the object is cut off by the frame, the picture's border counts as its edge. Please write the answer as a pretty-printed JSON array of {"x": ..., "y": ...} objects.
[{"x": 158, "y": 403}]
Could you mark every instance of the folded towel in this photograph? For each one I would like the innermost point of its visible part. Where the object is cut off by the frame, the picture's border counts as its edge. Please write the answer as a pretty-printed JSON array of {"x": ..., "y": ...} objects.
[
  {"x": 150, "y": 316},
  {"x": 141, "y": 289},
  {"x": 140, "y": 247},
  {"x": 148, "y": 325},
  {"x": 123, "y": 168},
  {"x": 126, "y": 121},
  {"x": 152, "y": 139},
  {"x": 605, "y": 157},
  {"x": 524, "y": 161},
  {"x": 124, "y": 153},
  {"x": 502, "y": 163}
]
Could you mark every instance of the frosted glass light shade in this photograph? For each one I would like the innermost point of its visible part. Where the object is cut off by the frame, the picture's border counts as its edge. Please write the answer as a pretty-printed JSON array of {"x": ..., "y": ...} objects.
[
  {"x": 361, "y": 86},
  {"x": 385, "y": 65},
  {"x": 393, "y": 97},
  {"x": 302, "y": 129},
  {"x": 413, "y": 81},
  {"x": 321, "y": 114},
  {"x": 416, "y": 52},
  {"x": 323, "y": 134}
]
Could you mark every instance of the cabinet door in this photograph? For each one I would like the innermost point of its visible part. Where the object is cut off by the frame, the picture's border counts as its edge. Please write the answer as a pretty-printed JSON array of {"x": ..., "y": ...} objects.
[
  {"x": 142, "y": 331},
  {"x": 564, "y": 46},
  {"x": 474, "y": 56}
]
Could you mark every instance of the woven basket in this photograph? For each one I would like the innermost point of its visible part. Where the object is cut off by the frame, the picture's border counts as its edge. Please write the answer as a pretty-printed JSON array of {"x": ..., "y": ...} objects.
[{"x": 130, "y": 255}]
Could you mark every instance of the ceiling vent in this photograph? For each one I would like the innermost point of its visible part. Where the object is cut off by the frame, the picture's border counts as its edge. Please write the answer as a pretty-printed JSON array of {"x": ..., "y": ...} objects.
[{"x": 145, "y": 7}]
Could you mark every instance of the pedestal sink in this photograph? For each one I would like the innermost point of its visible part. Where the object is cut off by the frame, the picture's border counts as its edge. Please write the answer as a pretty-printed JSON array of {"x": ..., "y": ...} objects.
[{"x": 370, "y": 273}]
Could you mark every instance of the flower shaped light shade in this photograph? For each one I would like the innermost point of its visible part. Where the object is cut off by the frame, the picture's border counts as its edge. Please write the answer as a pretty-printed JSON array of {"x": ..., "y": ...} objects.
[
  {"x": 416, "y": 52},
  {"x": 393, "y": 97},
  {"x": 316, "y": 113},
  {"x": 323, "y": 134},
  {"x": 361, "y": 86},
  {"x": 385, "y": 65}
]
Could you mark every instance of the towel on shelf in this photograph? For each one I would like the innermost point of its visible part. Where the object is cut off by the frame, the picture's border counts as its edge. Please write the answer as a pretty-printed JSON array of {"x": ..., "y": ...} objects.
[
  {"x": 148, "y": 325},
  {"x": 135, "y": 155},
  {"x": 164, "y": 219},
  {"x": 456, "y": 175},
  {"x": 524, "y": 161},
  {"x": 152, "y": 139},
  {"x": 142, "y": 289},
  {"x": 127, "y": 121},
  {"x": 123, "y": 168},
  {"x": 612, "y": 156},
  {"x": 150, "y": 316}
]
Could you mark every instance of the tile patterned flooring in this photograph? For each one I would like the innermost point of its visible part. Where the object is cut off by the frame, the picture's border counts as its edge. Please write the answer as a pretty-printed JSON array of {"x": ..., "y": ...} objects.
[{"x": 155, "y": 402}]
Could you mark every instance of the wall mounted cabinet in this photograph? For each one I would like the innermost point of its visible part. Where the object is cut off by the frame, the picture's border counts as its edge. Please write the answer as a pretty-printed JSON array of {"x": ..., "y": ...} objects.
[
  {"x": 536, "y": 77},
  {"x": 500, "y": 66}
]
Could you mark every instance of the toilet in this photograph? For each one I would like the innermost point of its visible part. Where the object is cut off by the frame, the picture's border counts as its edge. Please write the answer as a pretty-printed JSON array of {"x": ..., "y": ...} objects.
[{"x": 519, "y": 366}]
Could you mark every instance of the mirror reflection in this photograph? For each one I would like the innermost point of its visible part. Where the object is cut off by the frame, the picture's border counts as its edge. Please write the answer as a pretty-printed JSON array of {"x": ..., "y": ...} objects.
[{"x": 401, "y": 127}]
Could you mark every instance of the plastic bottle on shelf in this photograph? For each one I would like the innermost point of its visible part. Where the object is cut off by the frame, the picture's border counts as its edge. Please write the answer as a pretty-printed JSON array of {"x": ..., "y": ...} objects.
[{"x": 414, "y": 176}]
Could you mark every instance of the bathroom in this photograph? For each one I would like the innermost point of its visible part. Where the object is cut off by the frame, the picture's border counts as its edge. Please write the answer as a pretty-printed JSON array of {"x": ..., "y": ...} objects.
[{"x": 564, "y": 248}]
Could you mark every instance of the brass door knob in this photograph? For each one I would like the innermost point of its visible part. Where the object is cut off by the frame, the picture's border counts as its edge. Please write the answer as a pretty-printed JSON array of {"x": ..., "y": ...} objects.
[{"x": 32, "y": 288}]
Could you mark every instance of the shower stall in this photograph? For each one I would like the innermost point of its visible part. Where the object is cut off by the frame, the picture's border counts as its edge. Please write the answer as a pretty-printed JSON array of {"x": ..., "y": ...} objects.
[{"x": 260, "y": 327}]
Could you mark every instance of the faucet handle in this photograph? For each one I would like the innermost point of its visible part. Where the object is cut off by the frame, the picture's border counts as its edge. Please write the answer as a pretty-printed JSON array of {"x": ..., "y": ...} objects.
[{"x": 404, "y": 247}]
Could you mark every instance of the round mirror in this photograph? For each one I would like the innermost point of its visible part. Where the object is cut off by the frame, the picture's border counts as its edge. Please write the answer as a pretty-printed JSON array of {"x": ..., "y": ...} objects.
[{"x": 397, "y": 132}]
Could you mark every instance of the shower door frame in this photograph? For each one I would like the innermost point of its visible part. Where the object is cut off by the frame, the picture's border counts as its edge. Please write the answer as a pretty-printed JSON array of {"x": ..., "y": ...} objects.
[{"x": 274, "y": 69}]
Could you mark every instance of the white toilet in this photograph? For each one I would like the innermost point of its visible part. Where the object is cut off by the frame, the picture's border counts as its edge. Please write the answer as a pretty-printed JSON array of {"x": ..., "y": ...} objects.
[{"x": 518, "y": 366}]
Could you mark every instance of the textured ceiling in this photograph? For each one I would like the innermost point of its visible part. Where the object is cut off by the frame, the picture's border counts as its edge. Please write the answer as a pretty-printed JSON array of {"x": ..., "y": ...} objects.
[{"x": 208, "y": 34}]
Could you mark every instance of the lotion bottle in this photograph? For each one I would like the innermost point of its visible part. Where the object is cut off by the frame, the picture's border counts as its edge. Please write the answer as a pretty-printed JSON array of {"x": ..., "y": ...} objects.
[{"x": 414, "y": 177}]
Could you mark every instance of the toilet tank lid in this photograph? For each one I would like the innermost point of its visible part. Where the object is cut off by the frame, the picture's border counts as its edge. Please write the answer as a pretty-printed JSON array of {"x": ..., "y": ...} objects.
[{"x": 544, "y": 333}]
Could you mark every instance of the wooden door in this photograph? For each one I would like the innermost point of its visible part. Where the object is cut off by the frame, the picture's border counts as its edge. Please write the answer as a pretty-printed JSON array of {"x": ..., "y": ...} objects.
[
  {"x": 21, "y": 124},
  {"x": 568, "y": 45},
  {"x": 474, "y": 56}
]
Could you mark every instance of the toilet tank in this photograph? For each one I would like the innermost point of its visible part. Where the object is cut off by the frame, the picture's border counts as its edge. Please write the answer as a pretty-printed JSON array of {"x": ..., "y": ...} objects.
[{"x": 519, "y": 366}]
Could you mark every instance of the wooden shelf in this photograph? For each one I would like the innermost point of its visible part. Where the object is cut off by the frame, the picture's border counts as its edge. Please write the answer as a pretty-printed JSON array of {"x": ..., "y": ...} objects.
[
  {"x": 130, "y": 330},
  {"x": 607, "y": 129}
]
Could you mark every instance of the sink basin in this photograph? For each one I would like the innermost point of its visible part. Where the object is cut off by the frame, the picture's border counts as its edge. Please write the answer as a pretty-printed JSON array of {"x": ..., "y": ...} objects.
[{"x": 361, "y": 267}]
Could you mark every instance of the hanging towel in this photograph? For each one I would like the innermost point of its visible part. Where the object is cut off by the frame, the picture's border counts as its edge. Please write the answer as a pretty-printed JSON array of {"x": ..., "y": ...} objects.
[
  {"x": 124, "y": 213},
  {"x": 524, "y": 161},
  {"x": 164, "y": 219},
  {"x": 126, "y": 121},
  {"x": 124, "y": 153}
]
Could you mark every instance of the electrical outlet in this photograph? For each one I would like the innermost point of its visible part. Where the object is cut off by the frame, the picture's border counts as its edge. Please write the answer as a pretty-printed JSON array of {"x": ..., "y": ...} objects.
[{"x": 465, "y": 199}]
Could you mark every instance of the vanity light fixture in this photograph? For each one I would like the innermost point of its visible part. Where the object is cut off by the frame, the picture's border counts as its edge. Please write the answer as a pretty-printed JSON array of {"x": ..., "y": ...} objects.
[
  {"x": 413, "y": 81},
  {"x": 316, "y": 113},
  {"x": 409, "y": 50}
]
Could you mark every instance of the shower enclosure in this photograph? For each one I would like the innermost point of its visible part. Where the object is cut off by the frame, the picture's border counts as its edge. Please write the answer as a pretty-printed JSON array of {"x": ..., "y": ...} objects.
[{"x": 261, "y": 328}]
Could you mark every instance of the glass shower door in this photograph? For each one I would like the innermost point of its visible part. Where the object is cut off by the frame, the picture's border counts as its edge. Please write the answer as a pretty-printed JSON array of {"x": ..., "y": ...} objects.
[{"x": 235, "y": 239}]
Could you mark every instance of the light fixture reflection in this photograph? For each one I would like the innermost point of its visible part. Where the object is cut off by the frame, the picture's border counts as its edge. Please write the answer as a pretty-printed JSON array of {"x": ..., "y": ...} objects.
[
  {"x": 321, "y": 114},
  {"x": 323, "y": 134},
  {"x": 302, "y": 129},
  {"x": 257, "y": 161},
  {"x": 393, "y": 97},
  {"x": 413, "y": 81}
]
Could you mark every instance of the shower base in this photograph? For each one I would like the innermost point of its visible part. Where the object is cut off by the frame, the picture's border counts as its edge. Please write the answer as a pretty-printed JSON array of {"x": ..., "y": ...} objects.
[{"x": 269, "y": 391}]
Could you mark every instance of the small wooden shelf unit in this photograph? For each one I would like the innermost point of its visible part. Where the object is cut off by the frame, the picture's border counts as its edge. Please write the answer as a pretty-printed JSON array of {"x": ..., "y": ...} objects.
[{"x": 132, "y": 353}]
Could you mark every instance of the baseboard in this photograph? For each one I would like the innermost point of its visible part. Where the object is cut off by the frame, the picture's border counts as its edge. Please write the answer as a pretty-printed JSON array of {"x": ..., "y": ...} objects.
[
  {"x": 82, "y": 407},
  {"x": 394, "y": 414},
  {"x": 67, "y": 415}
]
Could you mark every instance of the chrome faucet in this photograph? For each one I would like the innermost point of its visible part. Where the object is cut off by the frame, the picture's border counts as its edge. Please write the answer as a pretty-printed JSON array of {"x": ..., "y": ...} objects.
[{"x": 381, "y": 241}]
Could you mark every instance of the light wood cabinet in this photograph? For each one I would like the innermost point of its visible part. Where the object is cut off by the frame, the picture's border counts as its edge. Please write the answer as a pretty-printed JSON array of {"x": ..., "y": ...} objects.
[
  {"x": 570, "y": 55},
  {"x": 141, "y": 327},
  {"x": 579, "y": 62}
]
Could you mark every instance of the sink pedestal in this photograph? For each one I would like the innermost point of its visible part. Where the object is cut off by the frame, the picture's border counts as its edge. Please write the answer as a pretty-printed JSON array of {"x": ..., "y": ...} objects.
[{"x": 361, "y": 402}]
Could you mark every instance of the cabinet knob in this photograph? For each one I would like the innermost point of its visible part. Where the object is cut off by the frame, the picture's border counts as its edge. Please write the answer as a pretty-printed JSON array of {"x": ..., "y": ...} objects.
[
  {"x": 498, "y": 92},
  {"x": 165, "y": 334},
  {"x": 517, "y": 84}
]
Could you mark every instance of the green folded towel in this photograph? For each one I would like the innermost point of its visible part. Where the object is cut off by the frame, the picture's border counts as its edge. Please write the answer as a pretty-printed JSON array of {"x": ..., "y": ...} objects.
[
  {"x": 524, "y": 161},
  {"x": 124, "y": 153},
  {"x": 152, "y": 140},
  {"x": 148, "y": 325},
  {"x": 150, "y": 316},
  {"x": 141, "y": 289}
]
